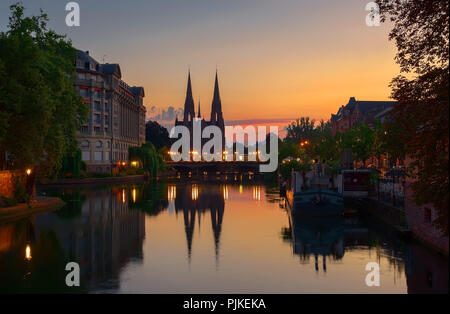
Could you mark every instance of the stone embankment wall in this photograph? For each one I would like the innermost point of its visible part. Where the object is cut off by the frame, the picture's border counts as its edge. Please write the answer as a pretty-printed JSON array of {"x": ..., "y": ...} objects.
[{"x": 7, "y": 183}]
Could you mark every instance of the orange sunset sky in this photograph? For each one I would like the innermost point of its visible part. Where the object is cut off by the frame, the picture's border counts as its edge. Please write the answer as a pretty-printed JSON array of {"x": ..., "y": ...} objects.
[{"x": 277, "y": 59}]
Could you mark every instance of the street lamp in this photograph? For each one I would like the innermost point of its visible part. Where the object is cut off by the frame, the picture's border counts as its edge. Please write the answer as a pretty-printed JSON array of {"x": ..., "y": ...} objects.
[{"x": 28, "y": 252}]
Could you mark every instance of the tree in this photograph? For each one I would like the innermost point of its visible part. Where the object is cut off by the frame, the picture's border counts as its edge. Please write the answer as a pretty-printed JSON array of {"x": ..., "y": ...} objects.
[
  {"x": 40, "y": 111},
  {"x": 157, "y": 135},
  {"x": 421, "y": 34},
  {"x": 72, "y": 165},
  {"x": 290, "y": 149},
  {"x": 151, "y": 161},
  {"x": 300, "y": 130},
  {"x": 362, "y": 139},
  {"x": 324, "y": 146}
]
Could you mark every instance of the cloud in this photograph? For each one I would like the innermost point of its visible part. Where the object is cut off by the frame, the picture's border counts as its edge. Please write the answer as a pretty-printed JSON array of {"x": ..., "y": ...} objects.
[{"x": 164, "y": 115}]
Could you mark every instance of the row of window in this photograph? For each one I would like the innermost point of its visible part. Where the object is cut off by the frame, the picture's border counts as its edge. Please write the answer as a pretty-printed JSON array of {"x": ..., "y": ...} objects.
[
  {"x": 85, "y": 76},
  {"x": 98, "y": 144},
  {"x": 98, "y": 119},
  {"x": 98, "y": 106},
  {"x": 84, "y": 92},
  {"x": 103, "y": 156},
  {"x": 98, "y": 156}
]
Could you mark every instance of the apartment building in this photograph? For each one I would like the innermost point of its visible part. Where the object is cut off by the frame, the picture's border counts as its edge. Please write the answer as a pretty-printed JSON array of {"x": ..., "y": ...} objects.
[{"x": 116, "y": 117}]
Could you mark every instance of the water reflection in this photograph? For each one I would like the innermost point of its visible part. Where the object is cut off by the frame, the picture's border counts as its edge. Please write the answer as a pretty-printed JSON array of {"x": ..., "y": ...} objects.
[
  {"x": 207, "y": 199},
  {"x": 318, "y": 237},
  {"x": 100, "y": 233},
  {"x": 330, "y": 239},
  {"x": 108, "y": 231}
]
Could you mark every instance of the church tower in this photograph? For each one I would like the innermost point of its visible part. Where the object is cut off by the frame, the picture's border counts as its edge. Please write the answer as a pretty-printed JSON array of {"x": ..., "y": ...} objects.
[
  {"x": 189, "y": 110},
  {"x": 216, "y": 108}
]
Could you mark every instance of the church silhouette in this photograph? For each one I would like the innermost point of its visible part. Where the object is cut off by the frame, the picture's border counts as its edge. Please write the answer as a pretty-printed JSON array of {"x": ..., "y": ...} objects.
[{"x": 189, "y": 112}]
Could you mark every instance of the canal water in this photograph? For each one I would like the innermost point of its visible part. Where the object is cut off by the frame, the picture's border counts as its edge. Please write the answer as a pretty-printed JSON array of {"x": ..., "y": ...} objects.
[{"x": 186, "y": 237}]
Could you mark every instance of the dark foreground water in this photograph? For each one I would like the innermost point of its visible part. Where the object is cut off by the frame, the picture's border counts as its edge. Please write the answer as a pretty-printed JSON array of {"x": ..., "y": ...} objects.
[{"x": 205, "y": 238}]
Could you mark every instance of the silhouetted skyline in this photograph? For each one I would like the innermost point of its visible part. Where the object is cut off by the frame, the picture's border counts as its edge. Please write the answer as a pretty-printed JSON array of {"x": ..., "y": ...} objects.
[{"x": 276, "y": 59}]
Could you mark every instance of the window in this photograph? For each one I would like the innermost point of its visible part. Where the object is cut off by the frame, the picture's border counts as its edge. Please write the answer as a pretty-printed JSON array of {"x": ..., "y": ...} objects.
[
  {"x": 86, "y": 156},
  {"x": 98, "y": 156},
  {"x": 107, "y": 156},
  {"x": 85, "y": 129},
  {"x": 97, "y": 106},
  {"x": 81, "y": 76},
  {"x": 84, "y": 92},
  {"x": 85, "y": 144},
  {"x": 98, "y": 144},
  {"x": 97, "y": 119}
]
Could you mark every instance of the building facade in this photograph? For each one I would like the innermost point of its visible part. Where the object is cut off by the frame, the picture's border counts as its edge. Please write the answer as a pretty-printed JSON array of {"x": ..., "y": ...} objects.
[
  {"x": 356, "y": 111},
  {"x": 216, "y": 112},
  {"x": 116, "y": 114}
]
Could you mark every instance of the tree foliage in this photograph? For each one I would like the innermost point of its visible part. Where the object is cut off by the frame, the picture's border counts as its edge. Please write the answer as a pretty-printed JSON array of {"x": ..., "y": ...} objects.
[
  {"x": 421, "y": 117},
  {"x": 151, "y": 161},
  {"x": 40, "y": 111},
  {"x": 300, "y": 130},
  {"x": 157, "y": 135},
  {"x": 360, "y": 139}
]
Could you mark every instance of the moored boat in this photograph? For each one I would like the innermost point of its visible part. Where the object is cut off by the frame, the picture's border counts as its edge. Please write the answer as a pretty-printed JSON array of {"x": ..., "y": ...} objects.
[{"x": 312, "y": 195}]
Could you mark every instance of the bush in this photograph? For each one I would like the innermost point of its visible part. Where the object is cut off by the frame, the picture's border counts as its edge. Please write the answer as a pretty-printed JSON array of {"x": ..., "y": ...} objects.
[{"x": 131, "y": 172}]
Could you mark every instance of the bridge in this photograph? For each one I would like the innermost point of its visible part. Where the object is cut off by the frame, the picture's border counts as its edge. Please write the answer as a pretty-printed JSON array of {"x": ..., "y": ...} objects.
[{"x": 215, "y": 167}]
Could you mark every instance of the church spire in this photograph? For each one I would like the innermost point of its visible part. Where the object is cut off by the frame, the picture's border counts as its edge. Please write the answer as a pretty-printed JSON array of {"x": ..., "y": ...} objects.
[
  {"x": 189, "y": 110},
  {"x": 216, "y": 110},
  {"x": 199, "y": 115}
]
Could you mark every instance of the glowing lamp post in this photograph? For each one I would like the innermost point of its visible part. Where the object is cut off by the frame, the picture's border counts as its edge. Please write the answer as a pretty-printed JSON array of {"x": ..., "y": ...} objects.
[{"x": 28, "y": 253}]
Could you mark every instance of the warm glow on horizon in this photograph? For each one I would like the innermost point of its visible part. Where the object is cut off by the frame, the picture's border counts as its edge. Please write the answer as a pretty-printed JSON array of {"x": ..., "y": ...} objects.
[{"x": 275, "y": 59}]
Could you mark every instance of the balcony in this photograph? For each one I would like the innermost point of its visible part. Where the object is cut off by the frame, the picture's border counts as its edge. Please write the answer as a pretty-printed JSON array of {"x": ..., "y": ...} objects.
[{"x": 89, "y": 83}]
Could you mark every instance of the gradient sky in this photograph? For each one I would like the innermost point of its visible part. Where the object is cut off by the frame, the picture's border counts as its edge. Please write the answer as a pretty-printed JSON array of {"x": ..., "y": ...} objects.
[{"x": 277, "y": 59}]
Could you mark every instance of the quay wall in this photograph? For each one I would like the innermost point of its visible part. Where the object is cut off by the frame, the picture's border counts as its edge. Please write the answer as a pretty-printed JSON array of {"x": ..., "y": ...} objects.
[
  {"x": 420, "y": 220},
  {"x": 7, "y": 182}
]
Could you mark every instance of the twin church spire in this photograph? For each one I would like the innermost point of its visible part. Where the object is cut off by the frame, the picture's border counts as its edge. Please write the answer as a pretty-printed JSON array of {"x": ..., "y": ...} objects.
[{"x": 216, "y": 106}]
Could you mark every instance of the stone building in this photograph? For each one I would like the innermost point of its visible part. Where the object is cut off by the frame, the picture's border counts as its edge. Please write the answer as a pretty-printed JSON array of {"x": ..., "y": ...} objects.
[
  {"x": 357, "y": 111},
  {"x": 116, "y": 117}
]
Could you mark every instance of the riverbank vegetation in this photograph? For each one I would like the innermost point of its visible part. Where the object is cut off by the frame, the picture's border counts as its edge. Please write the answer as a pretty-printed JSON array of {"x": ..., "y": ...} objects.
[
  {"x": 307, "y": 142},
  {"x": 421, "y": 34},
  {"x": 147, "y": 158},
  {"x": 40, "y": 111}
]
